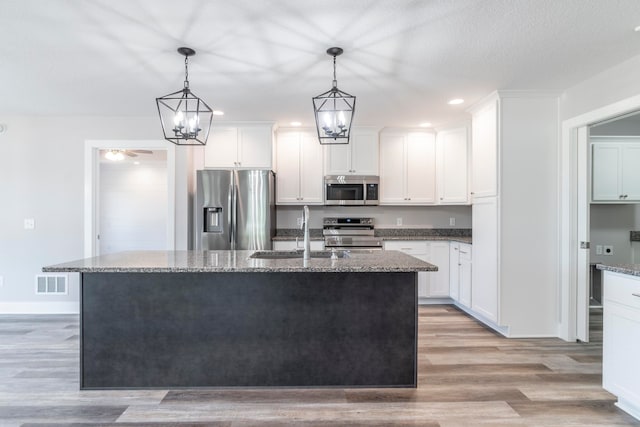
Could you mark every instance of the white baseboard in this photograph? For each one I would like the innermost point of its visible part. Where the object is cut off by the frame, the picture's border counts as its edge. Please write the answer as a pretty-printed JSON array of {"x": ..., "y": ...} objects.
[{"x": 57, "y": 307}]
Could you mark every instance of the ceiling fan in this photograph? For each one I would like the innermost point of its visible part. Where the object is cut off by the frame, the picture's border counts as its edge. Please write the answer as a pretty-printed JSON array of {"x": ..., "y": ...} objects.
[{"x": 117, "y": 155}]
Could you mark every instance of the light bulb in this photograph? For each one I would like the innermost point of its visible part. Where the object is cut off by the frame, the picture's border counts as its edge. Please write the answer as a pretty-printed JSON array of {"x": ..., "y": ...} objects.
[
  {"x": 114, "y": 155},
  {"x": 341, "y": 119},
  {"x": 178, "y": 118},
  {"x": 193, "y": 124},
  {"x": 327, "y": 120}
]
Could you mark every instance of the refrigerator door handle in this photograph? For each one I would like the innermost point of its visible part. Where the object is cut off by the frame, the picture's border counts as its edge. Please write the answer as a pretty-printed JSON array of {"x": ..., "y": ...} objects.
[
  {"x": 235, "y": 217},
  {"x": 230, "y": 214}
]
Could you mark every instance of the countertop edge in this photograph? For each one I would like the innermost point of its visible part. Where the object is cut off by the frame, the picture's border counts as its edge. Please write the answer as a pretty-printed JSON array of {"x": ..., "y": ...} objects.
[{"x": 629, "y": 269}]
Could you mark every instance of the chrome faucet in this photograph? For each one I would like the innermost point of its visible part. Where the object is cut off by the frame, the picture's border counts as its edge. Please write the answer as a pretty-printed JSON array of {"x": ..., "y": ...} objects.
[{"x": 305, "y": 224}]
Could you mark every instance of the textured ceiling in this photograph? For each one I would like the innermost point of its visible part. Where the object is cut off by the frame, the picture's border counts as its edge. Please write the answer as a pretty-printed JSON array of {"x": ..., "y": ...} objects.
[{"x": 264, "y": 60}]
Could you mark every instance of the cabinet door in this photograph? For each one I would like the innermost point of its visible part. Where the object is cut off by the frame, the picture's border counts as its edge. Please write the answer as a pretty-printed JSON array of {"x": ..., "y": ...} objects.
[
  {"x": 465, "y": 273},
  {"x": 421, "y": 169},
  {"x": 392, "y": 169},
  {"x": 452, "y": 166},
  {"x": 288, "y": 168},
  {"x": 631, "y": 172},
  {"x": 605, "y": 172},
  {"x": 484, "y": 290},
  {"x": 454, "y": 270},
  {"x": 311, "y": 177},
  {"x": 221, "y": 150},
  {"x": 484, "y": 154},
  {"x": 364, "y": 153},
  {"x": 254, "y": 147},
  {"x": 338, "y": 159},
  {"x": 439, "y": 280}
]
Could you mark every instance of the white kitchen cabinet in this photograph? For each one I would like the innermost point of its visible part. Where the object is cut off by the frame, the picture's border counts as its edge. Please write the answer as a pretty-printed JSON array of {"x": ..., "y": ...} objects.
[
  {"x": 454, "y": 270},
  {"x": 430, "y": 284},
  {"x": 290, "y": 245},
  {"x": 241, "y": 146},
  {"x": 407, "y": 168},
  {"x": 484, "y": 140},
  {"x": 299, "y": 178},
  {"x": 615, "y": 171},
  {"x": 452, "y": 166},
  {"x": 359, "y": 157},
  {"x": 514, "y": 269},
  {"x": 621, "y": 340},
  {"x": 465, "y": 274}
]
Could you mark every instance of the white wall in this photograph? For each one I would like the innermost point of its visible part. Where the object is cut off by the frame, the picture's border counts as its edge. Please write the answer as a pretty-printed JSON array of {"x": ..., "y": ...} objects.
[
  {"x": 612, "y": 85},
  {"x": 42, "y": 177},
  {"x": 385, "y": 216},
  {"x": 133, "y": 206}
]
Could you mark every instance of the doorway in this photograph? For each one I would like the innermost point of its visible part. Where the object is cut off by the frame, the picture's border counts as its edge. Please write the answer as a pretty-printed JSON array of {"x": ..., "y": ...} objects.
[
  {"x": 574, "y": 215},
  {"x": 129, "y": 201}
]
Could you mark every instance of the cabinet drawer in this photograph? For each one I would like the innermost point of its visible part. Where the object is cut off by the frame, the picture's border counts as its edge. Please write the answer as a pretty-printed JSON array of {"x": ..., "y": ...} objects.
[
  {"x": 465, "y": 251},
  {"x": 407, "y": 246},
  {"x": 623, "y": 289}
]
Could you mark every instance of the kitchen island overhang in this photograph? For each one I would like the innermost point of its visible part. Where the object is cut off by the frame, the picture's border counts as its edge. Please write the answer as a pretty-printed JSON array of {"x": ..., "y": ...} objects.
[{"x": 155, "y": 319}]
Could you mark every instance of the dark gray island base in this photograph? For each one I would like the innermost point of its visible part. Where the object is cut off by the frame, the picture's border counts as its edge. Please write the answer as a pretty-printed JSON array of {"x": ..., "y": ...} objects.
[{"x": 249, "y": 326}]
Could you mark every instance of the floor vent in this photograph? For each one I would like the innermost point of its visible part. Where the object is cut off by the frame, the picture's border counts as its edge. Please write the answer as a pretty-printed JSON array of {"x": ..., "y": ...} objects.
[{"x": 51, "y": 284}]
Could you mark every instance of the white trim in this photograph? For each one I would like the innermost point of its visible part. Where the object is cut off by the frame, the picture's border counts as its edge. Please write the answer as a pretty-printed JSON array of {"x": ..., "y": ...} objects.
[
  {"x": 51, "y": 307},
  {"x": 91, "y": 164},
  {"x": 567, "y": 215}
]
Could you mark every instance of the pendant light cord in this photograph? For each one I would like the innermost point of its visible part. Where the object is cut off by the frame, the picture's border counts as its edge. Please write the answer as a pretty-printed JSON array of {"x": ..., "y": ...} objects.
[{"x": 186, "y": 72}]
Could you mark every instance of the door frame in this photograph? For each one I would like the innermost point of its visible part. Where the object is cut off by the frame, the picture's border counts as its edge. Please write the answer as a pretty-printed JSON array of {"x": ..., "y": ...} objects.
[
  {"x": 571, "y": 308},
  {"x": 92, "y": 181}
]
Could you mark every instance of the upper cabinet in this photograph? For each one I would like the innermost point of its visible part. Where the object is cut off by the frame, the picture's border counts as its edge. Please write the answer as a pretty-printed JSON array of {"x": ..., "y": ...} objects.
[
  {"x": 246, "y": 145},
  {"x": 615, "y": 171},
  {"x": 407, "y": 168},
  {"x": 359, "y": 157},
  {"x": 452, "y": 166},
  {"x": 484, "y": 137},
  {"x": 299, "y": 179}
]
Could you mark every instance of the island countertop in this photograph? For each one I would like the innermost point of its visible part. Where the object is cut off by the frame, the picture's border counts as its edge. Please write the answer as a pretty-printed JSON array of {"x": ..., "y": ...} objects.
[{"x": 239, "y": 261}]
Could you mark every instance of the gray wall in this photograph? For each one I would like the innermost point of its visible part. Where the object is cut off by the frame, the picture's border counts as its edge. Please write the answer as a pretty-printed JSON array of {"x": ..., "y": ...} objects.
[
  {"x": 610, "y": 225},
  {"x": 42, "y": 177},
  {"x": 385, "y": 216}
]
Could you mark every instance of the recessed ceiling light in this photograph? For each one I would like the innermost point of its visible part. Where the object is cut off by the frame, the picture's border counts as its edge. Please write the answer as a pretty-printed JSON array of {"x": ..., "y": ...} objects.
[
  {"x": 456, "y": 101},
  {"x": 425, "y": 125},
  {"x": 218, "y": 113},
  {"x": 296, "y": 124},
  {"x": 136, "y": 162},
  {"x": 637, "y": 29}
]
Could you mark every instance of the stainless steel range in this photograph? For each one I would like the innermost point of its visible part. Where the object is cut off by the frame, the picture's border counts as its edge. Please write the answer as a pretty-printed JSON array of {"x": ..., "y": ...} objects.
[{"x": 350, "y": 233}]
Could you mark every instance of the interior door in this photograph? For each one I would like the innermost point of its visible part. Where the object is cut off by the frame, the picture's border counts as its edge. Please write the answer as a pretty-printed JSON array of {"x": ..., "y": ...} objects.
[{"x": 582, "y": 273}]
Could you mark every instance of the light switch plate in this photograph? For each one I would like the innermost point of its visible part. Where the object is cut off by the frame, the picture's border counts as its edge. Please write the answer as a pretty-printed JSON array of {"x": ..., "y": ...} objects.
[
  {"x": 598, "y": 249},
  {"x": 29, "y": 223},
  {"x": 398, "y": 221}
]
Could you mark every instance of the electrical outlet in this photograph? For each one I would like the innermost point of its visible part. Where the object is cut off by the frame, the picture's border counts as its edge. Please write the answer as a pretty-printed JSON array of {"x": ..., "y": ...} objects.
[
  {"x": 398, "y": 221},
  {"x": 598, "y": 249},
  {"x": 29, "y": 223},
  {"x": 452, "y": 221},
  {"x": 608, "y": 250},
  {"x": 299, "y": 221}
]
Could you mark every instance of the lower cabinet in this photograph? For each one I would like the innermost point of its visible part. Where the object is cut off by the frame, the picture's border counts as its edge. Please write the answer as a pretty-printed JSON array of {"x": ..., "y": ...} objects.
[
  {"x": 430, "y": 284},
  {"x": 290, "y": 245},
  {"x": 460, "y": 273},
  {"x": 621, "y": 340}
]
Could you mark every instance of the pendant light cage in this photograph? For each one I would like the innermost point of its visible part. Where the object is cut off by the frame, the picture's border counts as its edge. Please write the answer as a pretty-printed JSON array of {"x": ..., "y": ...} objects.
[
  {"x": 185, "y": 118},
  {"x": 334, "y": 110}
]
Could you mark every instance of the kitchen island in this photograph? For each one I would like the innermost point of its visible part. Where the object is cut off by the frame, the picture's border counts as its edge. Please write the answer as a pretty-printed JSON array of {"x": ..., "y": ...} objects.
[{"x": 160, "y": 319}]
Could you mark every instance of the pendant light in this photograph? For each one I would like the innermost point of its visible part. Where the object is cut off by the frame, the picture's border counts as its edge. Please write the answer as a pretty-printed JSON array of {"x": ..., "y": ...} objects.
[
  {"x": 334, "y": 110},
  {"x": 185, "y": 118}
]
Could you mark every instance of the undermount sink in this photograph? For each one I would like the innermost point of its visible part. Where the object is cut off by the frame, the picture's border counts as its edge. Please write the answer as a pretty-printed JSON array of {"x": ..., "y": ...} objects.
[{"x": 296, "y": 254}]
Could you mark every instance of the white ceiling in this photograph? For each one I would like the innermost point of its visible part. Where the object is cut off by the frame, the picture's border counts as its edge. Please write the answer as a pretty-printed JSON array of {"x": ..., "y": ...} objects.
[{"x": 265, "y": 59}]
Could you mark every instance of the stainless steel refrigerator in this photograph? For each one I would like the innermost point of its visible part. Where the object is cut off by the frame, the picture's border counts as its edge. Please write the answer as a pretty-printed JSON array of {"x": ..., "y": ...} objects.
[{"x": 235, "y": 209}]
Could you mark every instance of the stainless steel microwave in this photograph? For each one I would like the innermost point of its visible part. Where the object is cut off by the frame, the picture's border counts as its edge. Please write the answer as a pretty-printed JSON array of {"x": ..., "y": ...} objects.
[{"x": 351, "y": 190}]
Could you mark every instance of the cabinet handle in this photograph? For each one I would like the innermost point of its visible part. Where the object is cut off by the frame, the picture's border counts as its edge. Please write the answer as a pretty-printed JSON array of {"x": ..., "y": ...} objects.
[
  {"x": 636, "y": 295},
  {"x": 463, "y": 252},
  {"x": 455, "y": 249}
]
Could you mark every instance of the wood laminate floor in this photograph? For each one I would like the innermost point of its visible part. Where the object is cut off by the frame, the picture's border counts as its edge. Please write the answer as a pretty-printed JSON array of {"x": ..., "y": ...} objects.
[{"x": 468, "y": 376}]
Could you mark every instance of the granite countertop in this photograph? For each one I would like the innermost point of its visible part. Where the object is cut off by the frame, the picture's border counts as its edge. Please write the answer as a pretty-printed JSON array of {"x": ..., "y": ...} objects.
[
  {"x": 462, "y": 235},
  {"x": 631, "y": 269},
  {"x": 239, "y": 261}
]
